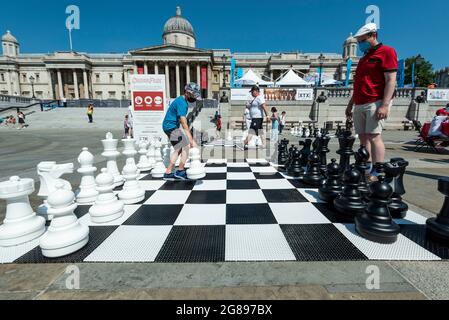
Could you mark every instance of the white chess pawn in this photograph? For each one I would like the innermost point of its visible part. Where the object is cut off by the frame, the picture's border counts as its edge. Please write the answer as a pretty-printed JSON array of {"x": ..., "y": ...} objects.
[
  {"x": 131, "y": 193},
  {"x": 49, "y": 174},
  {"x": 129, "y": 151},
  {"x": 107, "y": 207},
  {"x": 196, "y": 170},
  {"x": 111, "y": 154},
  {"x": 151, "y": 154},
  {"x": 143, "y": 164},
  {"x": 65, "y": 234},
  {"x": 159, "y": 168},
  {"x": 21, "y": 223},
  {"x": 87, "y": 192}
]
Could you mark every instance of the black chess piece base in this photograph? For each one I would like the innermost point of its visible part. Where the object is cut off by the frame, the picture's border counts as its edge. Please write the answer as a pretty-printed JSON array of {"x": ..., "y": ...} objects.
[
  {"x": 376, "y": 232},
  {"x": 398, "y": 208}
]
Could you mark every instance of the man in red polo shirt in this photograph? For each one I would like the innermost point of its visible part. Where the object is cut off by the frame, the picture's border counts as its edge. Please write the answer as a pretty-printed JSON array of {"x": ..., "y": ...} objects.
[{"x": 374, "y": 86}]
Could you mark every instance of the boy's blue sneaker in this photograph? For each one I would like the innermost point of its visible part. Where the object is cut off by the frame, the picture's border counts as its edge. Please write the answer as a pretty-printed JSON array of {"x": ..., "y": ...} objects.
[
  {"x": 181, "y": 175},
  {"x": 169, "y": 176}
]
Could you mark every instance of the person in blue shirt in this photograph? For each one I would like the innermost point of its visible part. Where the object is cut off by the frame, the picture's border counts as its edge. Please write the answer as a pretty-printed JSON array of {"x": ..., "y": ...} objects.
[{"x": 177, "y": 130}]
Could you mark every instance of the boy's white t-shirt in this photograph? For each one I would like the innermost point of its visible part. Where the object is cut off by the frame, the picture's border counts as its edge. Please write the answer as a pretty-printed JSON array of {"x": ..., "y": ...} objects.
[
  {"x": 255, "y": 107},
  {"x": 435, "y": 126}
]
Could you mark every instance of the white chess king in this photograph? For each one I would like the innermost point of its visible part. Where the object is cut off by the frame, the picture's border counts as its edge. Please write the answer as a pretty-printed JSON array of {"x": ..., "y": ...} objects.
[
  {"x": 21, "y": 224},
  {"x": 65, "y": 234}
]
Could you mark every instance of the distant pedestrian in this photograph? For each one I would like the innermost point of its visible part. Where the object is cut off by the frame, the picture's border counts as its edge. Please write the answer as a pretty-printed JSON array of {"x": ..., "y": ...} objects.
[
  {"x": 282, "y": 121},
  {"x": 126, "y": 126},
  {"x": 64, "y": 102},
  {"x": 131, "y": 120},
  {"x": 90, "y": 112},
  {"x": 275, "y": 120},
  {"x": 218, "y": 125},
  {"x": 21, "y": 120}
]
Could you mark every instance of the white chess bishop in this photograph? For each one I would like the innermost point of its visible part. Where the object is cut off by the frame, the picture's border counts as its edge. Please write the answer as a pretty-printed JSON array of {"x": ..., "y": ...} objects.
[
  {"x": 132, "y": 192},
  {"x": 129, "y": 151},
  {"x": 196, "y": 170},
  {"x": 159, "y": 167},
  {"x": 65, "y": 234},
  {"x": 87, "y": 192},
  {"x": 21, "y": 223},
  {"x": 107, "y": 207},
  {"x": 143, "y": 165},
  {"x": 49, "y": 174},
  {"x": 111, "y": 154}
]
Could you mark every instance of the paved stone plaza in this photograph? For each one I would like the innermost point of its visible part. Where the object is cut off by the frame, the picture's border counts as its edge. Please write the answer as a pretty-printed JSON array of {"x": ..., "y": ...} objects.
[{"x": 22, "y": 150}]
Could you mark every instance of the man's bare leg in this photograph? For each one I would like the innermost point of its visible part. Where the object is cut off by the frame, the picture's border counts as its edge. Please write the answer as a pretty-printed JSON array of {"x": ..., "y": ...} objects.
[
  {"x": 377, "y": 147},
  {"x": 173, "y": 158},
  {"x": 184, "y": 156}
]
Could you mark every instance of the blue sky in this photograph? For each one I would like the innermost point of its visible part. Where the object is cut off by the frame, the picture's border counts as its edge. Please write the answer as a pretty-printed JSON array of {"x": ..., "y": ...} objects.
[{"x": 411, "y": 26}]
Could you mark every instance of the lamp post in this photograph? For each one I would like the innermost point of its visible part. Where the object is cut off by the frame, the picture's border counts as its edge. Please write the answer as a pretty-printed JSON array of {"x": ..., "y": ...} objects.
[
  {"x": 320, "y": 99},
  {"x": 420, "y": 99},
  {"x": 32, "y": 86},
  {"x": 415, "y": 67},
  {"x": 321, "y": 59},
  {"x": 223, "y": 58}
]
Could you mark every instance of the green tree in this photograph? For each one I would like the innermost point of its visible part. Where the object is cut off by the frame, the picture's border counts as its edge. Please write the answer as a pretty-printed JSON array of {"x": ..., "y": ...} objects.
[{"x": 424, "y": 74}]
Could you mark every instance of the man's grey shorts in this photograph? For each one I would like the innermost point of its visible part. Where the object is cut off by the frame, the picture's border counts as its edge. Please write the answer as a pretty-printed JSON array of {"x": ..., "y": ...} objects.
[
  {"x": 365, "y": 118},
  {"x": 177, "y": 138}
]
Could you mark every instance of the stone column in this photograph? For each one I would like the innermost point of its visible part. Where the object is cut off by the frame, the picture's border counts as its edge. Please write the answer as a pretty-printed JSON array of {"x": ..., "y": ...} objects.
[
  {"x": 50, "y": 81},
  {"x": 75, "y": 83},
  {"x": 60, "y": 85},
  {"x": 10, "y": 83},
  {"x": 126, "y": 79},
  {"x": 135, "y": 67},
  {"x": 198, "y": 74},
  {"x": 209, "y": 80},
  {"x": 187, "y": 72},
  {"x": 156, "y": 68},
  {"x": 145, "y": 67},
  {"x": 178, "y": 81},
  {"x": 86, "y": 85},
  {"x": 17, "y": 90},
  {"x": 167, "y": 79}
]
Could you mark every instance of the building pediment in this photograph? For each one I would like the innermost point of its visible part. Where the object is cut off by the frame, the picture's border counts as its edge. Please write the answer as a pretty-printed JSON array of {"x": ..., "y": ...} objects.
[{"x": 169, "y": 49}]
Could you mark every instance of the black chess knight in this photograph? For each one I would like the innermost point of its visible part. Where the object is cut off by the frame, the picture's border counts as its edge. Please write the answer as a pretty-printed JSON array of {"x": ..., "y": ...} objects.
[
  {"x": 394, "y": 171},
  {"x": 439, "y": 227},
  {"x": 376, "y": 223}
]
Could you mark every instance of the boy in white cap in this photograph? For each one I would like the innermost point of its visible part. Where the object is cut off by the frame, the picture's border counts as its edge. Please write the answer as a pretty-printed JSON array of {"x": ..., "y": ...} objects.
[{"x": 374, "y": 86}]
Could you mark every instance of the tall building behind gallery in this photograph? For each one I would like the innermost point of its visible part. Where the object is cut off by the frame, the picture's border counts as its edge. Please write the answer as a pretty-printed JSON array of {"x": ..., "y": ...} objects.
[{"x": 79, "y": 75}]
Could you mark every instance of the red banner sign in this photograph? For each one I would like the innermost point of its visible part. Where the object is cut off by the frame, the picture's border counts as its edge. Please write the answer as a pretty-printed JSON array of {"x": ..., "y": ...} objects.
[
  {"x": 203, "y": 77},
  {"x": 148, "y": 101}
]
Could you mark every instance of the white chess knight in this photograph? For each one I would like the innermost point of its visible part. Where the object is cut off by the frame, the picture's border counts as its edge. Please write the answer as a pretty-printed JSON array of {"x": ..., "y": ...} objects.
[
  {"x": 21, "y": 223},
  {"x": 129, "y": 151},
  {"x": 87, "y": 192},
  {"x": 196, "y": 170},
  {"x": 107, "y": 207},
  {"x": 132, "y": 192},
  {"x": 49, "y": 174},
  {"x": 159, "y": 168},
  {"x": 111, "y": 154},
  {"x": 143, "y": 164},
  {"x": 65, "y": 234}
]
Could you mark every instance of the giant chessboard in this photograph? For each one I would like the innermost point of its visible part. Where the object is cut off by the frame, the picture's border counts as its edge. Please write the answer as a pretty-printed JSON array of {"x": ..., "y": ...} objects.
[{"x": 241, "y": 211}]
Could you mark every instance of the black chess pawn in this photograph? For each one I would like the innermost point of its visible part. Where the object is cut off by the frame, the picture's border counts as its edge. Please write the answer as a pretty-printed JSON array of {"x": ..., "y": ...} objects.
[
  {"x": 349, "y": 202},
  {"x": 362, "y": 165},
  {"x": 439, "y": 227},
  {"x": 313, "y": 176},
  {"x": 324, "y": 150},
  {"x": 346, "y": 142},
  {"x": 305, "y": 152},
  {"x": 295, "y": 169},
  {"x": 376, "y": 223},
  {"x": 332, "y": 186},
  {"x": 290, "y": 154},
  {"x": 395, "y": 171}
]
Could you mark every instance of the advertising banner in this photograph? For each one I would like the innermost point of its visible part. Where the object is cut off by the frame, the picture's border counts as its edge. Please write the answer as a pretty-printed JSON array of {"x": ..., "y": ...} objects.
[
  {"x": 438, "y": 95},
  {"x": 149, "y": 105},
  {"x": 203, "y": 77}
]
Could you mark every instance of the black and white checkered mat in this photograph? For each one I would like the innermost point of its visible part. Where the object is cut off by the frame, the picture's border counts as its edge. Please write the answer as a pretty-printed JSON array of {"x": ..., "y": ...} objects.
[{"x": 241, "y": 211}]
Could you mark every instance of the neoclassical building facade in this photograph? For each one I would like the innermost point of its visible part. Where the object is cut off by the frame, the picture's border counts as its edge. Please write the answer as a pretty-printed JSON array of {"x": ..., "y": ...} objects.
[{"x": 75, "y": 75}]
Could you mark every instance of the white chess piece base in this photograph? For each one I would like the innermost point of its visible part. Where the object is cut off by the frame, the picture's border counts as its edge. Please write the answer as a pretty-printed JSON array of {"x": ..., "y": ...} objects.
[
  {"x": 131, "y": 193},
  {"x": 12, "y": 234}
]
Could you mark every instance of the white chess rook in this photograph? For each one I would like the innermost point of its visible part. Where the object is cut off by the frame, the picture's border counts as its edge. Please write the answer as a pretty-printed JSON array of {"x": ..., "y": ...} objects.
[
  {"x": 196, "y": 170},
  {"x": 65, "y": 234},
  {"x": 111, "y": 154},
  {"x": 132, "y": 192},
  {"x": 49, "y": 174},
  {"x": 143, "y": 164},
  {"x": 21, "y": 223},
  {"x": 159, "y": 168},
  {"x": 107, "y": 207},
  {"x": 87, "y": 192}
]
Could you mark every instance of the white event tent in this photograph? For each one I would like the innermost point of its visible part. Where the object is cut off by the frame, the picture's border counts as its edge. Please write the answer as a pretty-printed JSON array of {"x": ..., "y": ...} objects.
[
  {"x": 292, "y": 79},
  {"x": 250, "y": 79}
]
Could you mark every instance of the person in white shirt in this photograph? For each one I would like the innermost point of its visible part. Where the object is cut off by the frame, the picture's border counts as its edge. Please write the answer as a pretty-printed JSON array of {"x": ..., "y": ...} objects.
[
  {"x": 257, "y": 108},
  {"x": 131, "y": 121},
  {"x": 283, "y": 121}
]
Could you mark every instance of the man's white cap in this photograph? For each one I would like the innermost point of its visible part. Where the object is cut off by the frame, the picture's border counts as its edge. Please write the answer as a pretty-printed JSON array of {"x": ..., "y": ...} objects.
[{"x": 368, "y": 28}]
